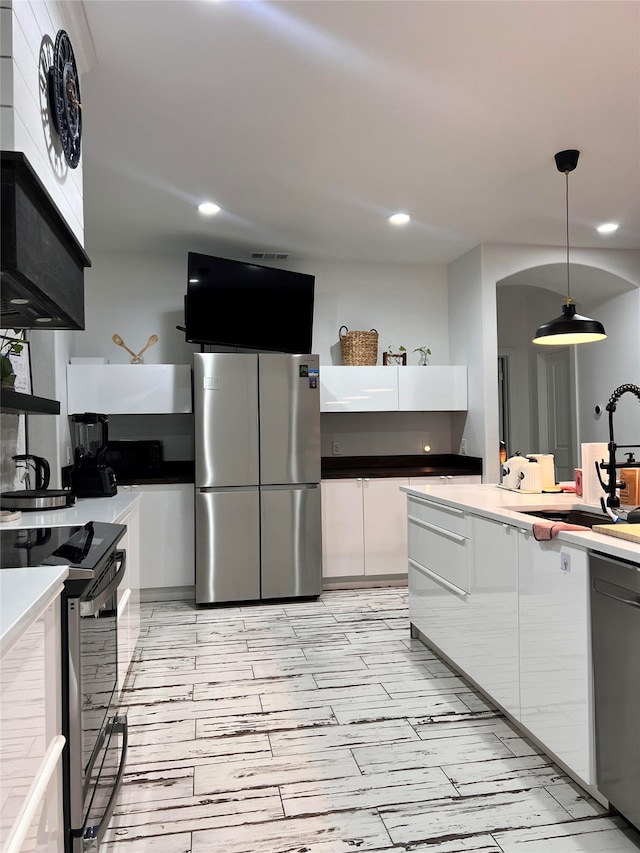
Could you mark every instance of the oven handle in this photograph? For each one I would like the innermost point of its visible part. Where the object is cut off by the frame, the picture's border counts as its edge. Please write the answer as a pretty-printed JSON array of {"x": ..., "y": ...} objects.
[
  {"x": 93, "y": 835},
  {"x": 92, "y": 606}
]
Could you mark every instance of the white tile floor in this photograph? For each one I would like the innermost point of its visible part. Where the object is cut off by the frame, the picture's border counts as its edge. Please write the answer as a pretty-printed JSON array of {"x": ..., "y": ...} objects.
[{"x": 321, "y": 727}]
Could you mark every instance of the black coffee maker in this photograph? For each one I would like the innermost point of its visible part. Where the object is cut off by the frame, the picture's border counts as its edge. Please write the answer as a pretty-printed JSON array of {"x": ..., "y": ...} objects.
[{"x": 91, "y": 476}]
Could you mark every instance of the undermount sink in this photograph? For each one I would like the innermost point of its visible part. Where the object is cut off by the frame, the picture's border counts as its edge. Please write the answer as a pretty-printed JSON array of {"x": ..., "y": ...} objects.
[{"x": 570, "y": 516}]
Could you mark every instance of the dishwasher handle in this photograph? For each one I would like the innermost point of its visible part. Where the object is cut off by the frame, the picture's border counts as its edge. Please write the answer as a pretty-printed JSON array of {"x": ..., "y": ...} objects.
[{"x": 616, "y": 592}]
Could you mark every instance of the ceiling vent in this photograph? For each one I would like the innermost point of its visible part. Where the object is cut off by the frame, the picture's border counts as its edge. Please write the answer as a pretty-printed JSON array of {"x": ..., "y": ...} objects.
[{"x": 269, "y": 256}]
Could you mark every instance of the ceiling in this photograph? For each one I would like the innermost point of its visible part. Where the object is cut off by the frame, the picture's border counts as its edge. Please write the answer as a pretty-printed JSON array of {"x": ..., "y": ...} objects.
[{"x": 310, "y": 122}]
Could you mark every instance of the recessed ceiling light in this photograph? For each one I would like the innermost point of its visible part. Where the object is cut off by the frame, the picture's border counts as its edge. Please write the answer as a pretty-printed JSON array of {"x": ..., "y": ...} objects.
[
  {"x": 607, "y": 228},
  {"x": 208, "y": 208},
  {"x": 399, "y": 218}
]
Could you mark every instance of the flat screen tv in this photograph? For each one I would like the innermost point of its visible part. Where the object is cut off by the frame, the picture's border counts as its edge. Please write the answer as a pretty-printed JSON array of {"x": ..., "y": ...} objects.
[{"x": 248, "y": 306}]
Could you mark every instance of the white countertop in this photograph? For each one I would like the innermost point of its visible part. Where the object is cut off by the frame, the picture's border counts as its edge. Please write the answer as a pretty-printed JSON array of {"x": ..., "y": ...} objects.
[
  {"x": 85, "y": 509},
  {"x": 504, "y": 505},
  {"x": 24, "y": 595}
]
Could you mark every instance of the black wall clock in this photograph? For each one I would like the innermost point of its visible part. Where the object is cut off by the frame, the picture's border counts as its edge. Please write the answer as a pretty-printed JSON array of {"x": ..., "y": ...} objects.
[{"x": 64, "y": 99}]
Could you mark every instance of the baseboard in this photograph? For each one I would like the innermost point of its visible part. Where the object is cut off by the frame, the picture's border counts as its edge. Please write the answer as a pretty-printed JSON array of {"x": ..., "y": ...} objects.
[
  {"x": 168, "y": 593},
  {"x": 371, "y": 582}
]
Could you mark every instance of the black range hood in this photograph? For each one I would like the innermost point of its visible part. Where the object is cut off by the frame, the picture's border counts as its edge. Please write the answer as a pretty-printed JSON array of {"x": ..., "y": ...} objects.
[{"x": 41, "y": 261}]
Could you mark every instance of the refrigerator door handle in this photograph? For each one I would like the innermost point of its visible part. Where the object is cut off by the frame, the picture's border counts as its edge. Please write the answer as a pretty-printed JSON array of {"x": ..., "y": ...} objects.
[
  {"x": 289, "y": 488},
  {"x": 222, "y": 489}
]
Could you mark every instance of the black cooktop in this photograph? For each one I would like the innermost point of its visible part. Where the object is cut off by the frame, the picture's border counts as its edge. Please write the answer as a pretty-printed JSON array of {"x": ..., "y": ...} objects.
[{"x": 81, "y": 547}]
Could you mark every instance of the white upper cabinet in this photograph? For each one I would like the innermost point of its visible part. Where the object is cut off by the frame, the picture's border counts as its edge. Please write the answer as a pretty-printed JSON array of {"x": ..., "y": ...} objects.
[
  {"x": 358, "y": 389},
  {"x": 393, "y": 388},
  {"x": 129, "y": 389},
  {"x": 432, "y": 389}
]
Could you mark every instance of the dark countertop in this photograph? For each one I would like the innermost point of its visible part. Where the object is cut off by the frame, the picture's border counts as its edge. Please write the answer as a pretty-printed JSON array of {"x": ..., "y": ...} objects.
[
  {"x": 170, "y": 472},
  {"x": 334, "y": 467}
]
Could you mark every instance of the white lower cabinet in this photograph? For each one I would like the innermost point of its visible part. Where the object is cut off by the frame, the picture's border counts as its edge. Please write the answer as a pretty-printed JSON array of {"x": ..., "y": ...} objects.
[
  {"x": 31, "y": 740},
  {"x": 364, "y": 527},
  {"x": 519, "y": 627},
  {"x": 555, "y": 655},
  {"x": 446, "y": 480},
  {"x": 167, "y": 535},
  {"x": 492, "y": 659},
  {"x": 129, "y": 593},
  {"x": 438, "y": 549}
]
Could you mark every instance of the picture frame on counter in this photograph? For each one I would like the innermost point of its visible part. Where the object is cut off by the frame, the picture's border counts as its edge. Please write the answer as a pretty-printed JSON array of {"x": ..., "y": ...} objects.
[{"x": 20, "y": 361}]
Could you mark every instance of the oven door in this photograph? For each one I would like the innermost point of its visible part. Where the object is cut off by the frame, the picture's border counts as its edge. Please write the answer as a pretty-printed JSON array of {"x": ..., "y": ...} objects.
[{"x": 96, "y": 735}]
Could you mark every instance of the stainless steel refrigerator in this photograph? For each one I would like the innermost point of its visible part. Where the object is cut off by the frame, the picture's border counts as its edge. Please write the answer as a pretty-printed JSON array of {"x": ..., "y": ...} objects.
[{"x": 257, "y": 453}]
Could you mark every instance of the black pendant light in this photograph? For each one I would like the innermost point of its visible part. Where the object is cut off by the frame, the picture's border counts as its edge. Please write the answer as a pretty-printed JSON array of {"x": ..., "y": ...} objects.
[{"x": 569, "y": 327}]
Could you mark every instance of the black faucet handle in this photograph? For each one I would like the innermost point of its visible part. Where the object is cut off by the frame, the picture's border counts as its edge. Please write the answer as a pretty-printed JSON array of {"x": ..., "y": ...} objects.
[{"x": 630, "y": 457}]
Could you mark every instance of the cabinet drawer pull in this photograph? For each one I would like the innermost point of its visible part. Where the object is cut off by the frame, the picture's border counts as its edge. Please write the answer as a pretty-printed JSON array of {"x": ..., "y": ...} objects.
[
  {"x": 35, "y": 795},
  {"x": 439, "y": 580},
  {"x": 435, "y": 529},
  {"x": 442, "y": 507}
]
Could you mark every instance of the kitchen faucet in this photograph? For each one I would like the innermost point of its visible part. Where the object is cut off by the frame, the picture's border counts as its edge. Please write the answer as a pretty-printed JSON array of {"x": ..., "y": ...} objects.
[{"x": 613, "y": 501}]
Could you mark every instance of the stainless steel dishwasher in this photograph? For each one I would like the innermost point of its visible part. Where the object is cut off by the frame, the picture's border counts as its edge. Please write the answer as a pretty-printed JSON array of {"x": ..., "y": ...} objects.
[{"x": 615, "y": 631}]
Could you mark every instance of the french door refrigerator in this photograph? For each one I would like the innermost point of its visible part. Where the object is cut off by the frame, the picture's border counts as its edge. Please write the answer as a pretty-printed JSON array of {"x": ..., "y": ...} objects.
[{"x": 257, "y": 454}]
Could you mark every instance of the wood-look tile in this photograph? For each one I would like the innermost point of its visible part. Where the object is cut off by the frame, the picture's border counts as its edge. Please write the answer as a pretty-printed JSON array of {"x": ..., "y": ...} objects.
[
  {"x": 435, "y": 752},
  {"x": 474, "y": 844},
  {"x": 196, "y": 813},
  {"x": 179, "y": 843},
  {"x": 600, "y": 835},
  {"x": 197, "y": 751},
  {"x": 274, "y": 721},
  {"x": 322, "y": 726},
  {"x": 471, "y": 815},
  {"x": 326, "y": 833},
  {"x": 296, "y": 666},
  {"x": 336, "y": 737},
  {"x": 197, "y": 677},
  {"x": 140, "y": 787},
  {"x": 272, "y": 688},
  {"x": 259, "y": 771},
  {"x": 574, "y": 799},
  {"x": 393, "y": 709},
  {"x": 403, "y": 786},
  {"x": 284, "y": 700},
  {"x": 167, "y": 712},
  {"x": 505, "y": 774}
]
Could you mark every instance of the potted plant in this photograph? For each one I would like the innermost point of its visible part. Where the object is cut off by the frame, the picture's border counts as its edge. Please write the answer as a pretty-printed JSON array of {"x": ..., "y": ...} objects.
[
  {"x": 425, "y": 352},
  {"x": 9, "y": 346},
  {"x": 399, "y": 357}
]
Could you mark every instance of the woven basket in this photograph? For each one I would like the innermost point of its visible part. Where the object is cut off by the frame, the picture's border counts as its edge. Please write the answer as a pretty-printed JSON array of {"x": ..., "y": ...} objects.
[{"x": 358, "y": 348}]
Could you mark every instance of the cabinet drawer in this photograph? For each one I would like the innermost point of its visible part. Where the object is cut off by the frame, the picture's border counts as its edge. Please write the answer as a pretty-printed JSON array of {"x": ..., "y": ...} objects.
[
  {"x": 439, "y": 613},
  {"x": 440, "y": 515},
  {"x": 442, "y": 552}
]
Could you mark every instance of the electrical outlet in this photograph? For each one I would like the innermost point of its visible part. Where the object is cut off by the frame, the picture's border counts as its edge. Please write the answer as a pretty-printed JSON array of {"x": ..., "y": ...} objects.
[
  {"x": 336, "y": 448},
  {"x": 565, "y": 562},
  {"x": 463, "y": 447}
]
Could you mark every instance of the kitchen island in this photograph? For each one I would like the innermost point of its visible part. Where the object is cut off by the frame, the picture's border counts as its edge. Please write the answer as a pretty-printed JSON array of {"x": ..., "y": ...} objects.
[{"x": 509, "y": 612}]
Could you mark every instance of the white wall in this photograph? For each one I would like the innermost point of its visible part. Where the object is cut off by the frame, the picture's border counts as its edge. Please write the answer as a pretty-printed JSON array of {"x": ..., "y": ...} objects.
[
  {"x": 28, "y": 31},
  {"x": 501, "y": 261},
  {"x": 28, "y": 34},
  {"x": 137, "y": 295},
  {"x": 604, "y": 366},
  {"x": 521, "y": 309},
  {"x": 473, "y": 341}
]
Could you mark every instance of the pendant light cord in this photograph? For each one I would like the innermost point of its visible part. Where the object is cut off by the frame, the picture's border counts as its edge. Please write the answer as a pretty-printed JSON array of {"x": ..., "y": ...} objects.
[{"x": 566, "y": 178}]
